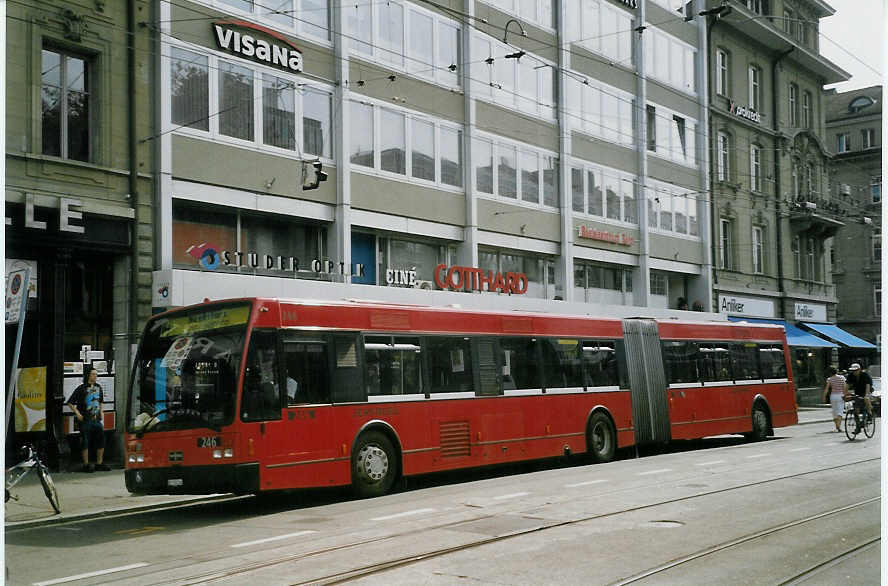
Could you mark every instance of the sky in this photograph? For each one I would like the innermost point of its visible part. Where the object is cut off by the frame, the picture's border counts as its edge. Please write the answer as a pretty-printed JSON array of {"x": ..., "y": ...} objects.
[{"x": 853, "y": 39}]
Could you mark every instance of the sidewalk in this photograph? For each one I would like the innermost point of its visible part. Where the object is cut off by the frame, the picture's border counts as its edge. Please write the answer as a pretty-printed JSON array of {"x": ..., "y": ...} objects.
[{"x": 102, "y": 494}]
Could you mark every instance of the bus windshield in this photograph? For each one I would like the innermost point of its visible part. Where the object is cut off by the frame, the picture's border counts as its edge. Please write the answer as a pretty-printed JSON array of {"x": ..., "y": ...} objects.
[{"x": 186, "y": 371}]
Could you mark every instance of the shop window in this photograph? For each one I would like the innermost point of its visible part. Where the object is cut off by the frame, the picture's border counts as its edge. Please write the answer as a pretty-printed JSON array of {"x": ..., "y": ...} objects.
[
  {"x": 194, "y": 226},
  {"x": 680, "y": 361},
  {"x": 600, "y": 364},
  {"x": 66, "y": 97},
  {"x": 772, "y": 361},
  {"x": 189, "y": 88},
  {"x": 392, "y": 365},
  {"x": 520, "y": 363},
  {"x": 562, "y": 363},
  {"x": 714, "y": 362},
  {"x": 745, "y": 361},
  {"x": 307, "y": 368},
  {"x": 450, "y": 364}
]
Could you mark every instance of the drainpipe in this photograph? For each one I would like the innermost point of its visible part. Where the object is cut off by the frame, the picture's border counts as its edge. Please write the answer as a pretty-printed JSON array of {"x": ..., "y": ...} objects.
[
  {"x": 775, "y": 122},
  {"x": 133, "y": 318}
]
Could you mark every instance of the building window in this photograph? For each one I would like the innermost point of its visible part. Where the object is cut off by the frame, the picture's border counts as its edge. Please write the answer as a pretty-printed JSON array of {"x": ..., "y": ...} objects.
[
  {"x": 600, "y": 282},
  {"x": 876, "y": 240},
  {"x": 789, "y": 24},
  {"x": 670, "y": 60},
  {"x": 843, "y": 142},
  {"x": 659, "y": 284},
  {"x": 189, "y": 89},
  {"x": 317, "y": 123},
  {"x": 755, "y": 167},
  {"x": 723, "y": 168},
  {"x": 538, "y": 11},
  {"x": 383, "y": 31},
  {"x": 392, "y": 141},
  {"x": 278, "y": 112},
  {"x": 602, "y": 28},
  {"x": 755, "y": 87},
  {"x": 311, "y": 16},
  {"x": 726, "y": 245},
  {"x": 537, "y": 171},
  {"x": 362, "y": 151},
  {"x": 538, "y": 269},
  {"x": 758, "y": 249},
  {"x": 235, "y": 101},
  {"x": 651, "y": 128},
  {"x": 876, "y": 189},
  {"x": 721, "y": 71},
  {"x": 756, "y": 6},
  {"x": 796, "y": 184},
  {"x": 810, "y": 259},
  {"x": 877, "y": 298},
  {"x": 797, "y": 255},
  {"x": 65, "y": 94},
  {"x": 600, "y": 110},
  {"x": 867, "y": 138},
  {"x": 806, "y": 109},
  {"x": 793, "y": 105}
]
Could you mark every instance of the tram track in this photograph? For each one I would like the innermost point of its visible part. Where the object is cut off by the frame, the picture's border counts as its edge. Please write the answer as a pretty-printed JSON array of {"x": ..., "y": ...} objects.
[{"x": 397, "y": 562}]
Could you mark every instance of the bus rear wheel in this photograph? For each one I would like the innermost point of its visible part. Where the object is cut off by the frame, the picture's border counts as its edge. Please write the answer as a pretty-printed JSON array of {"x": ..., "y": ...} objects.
[
  {"x": 602, "y": 438},
  {"x": 759, "y": 425},
  {"x": 374, "y": 466}
]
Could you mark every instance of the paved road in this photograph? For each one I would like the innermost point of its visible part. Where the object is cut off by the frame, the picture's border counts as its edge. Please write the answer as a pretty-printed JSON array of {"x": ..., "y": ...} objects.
[{"x": 733, "y": 512}]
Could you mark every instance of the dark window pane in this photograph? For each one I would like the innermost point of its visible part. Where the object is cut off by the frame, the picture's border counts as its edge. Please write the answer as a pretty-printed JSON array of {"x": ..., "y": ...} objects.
[
  {"x": 278, "y": 112},
  {"x": 189, "y": 88},
  {"x": 52, "y": 113},
  {"x": 235, "y": 101},
  {"x": 562, "y": 362},
  {"x": 316, "y": 123},
  {"x": 392, "y": 365},
  {"x": 714, "y": 362},
  {"x": 600, "y": 364},
  {"x": 450, "y": 364},
  {"x": 745, "y": 361},
  {"x": 262, "y": 390},
  {"x": 773, "y": 361},
  {"x": 680, "y": 360},
  {"x": 78, "y": 126},
  {"x": 307, "y": 368},
  {"x": 520, "y": 363}
]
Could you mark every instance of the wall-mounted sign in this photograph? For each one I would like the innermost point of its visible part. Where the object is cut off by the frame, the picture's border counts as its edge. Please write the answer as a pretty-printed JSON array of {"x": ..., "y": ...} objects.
[
  {"x": 745, "y": 306},
  {"x": 472, "y": 279},
  {"x": 70, "y": 215},
  {"x": 745, "y": 112},
  {"x": 630, "y": 3},
  {"x": 210, "y": 257},
  {"x": 622, "y": 238},
  {"x": 258, "y": 43},
  {"x": 809, "y": 312},
  {"x": 400, "y": 277}
]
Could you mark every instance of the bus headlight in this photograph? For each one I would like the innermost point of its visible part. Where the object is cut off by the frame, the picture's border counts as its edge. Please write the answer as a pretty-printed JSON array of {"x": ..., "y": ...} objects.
[
  {"x": 228, "y": 453},
  {"x": 137, "y": 458},
  {"x": 217, "y": 454}
]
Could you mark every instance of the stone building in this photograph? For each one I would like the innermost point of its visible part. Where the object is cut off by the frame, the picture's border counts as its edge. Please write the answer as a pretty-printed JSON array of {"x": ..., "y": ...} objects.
[
  {"x": 79, "y": 201},
  {"x": 854, "y": 133},
  {"x": 774, "y": 218}
]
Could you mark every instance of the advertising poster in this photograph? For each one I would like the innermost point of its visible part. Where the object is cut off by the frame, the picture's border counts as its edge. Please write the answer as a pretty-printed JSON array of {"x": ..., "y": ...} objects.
[{"x": 30, "y": 399}]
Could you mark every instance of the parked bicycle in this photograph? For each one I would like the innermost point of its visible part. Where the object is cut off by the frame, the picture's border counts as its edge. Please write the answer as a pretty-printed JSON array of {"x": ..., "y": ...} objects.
[
  {"x": 17, "y": 473},
  {"x": 858, "y": 419}
]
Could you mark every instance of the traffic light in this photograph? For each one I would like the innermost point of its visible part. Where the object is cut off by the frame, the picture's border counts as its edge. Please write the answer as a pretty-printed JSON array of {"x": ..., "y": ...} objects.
[{"x": 319, "y": 176}]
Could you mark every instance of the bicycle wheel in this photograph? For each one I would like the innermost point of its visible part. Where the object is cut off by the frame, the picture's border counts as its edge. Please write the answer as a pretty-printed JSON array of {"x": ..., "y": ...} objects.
[
  {"x": 851, "y": 430},
  {"x": 869, "y": 428},
  {"x": 49, "y": 488}
]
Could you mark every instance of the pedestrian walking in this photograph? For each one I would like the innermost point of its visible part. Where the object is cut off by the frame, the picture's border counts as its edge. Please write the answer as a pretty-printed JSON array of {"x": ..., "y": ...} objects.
[{"x": 834, "y": 392}]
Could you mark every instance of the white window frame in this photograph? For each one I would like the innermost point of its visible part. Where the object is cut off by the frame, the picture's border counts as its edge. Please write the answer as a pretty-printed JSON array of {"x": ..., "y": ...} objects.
[
  {"x": 755, "y": 87},
  {"x": 669, "y": 198},
  {"x": 755, "y": 168},
  {"x": 868, "y": 138},
  {"x": 667, "y": 137},
  {"x": 409, "y": 116},
  {"x": 807, "y": 109},
  {"x": 726, "y": 244},
  {"x": 437, "y": 72},
  {"x": 622, "y": 179},
  {"x": 589, "y": 115},
  {"x": 843, "y": 142},
  {"x": 679, "y": 59},
  {"x": 520, "y": 148},
  {"x": 257, "y": 143},
  {"x": 758, "y": 250},
  {"x": 723, "y": 157},
  {"x": 513, "y": 7},
  {"x": 722, "y": 65},
  {"x": 796, "y": 247},
  {"x": 793, "y": 105},
  {"x": 259, "y": 13},
  {"x": 659, "y": 281}
]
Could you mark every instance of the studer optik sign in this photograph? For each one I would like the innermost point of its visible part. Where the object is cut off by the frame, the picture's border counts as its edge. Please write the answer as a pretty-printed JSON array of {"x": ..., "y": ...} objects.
[{"x": 258, "y": 43}]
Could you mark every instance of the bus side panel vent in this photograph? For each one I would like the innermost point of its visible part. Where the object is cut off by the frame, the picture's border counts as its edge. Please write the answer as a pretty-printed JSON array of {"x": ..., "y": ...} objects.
[
  {"x": 389, "y": 320},
  {"x": 455, "y": 439}
]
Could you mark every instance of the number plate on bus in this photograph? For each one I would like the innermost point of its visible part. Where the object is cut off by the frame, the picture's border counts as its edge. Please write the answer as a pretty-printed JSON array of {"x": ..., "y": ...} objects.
[{"x": 209, "y": 442}]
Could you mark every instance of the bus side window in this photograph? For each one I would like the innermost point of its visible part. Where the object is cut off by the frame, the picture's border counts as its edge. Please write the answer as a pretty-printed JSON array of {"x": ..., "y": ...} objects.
[
  {"x": 346, "y": 375},
  {"x": 680, "y": 361},
  {"x": 715, "y": 362},
  {"x": 744, "y": 361},
  {"x": 600, "y": 363},
  {"x": 450, "y": 364},
  {"x": 562, "y": 363},
  {"x": 520, "y": 363},
  {"x": 772, "y": 360},
  {"x": 392, "y": 365},
  {"x": 261, "y": 399},
  {"x": 307, "y": 366}
]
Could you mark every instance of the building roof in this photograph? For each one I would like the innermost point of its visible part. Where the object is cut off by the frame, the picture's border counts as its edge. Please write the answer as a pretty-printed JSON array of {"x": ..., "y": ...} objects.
[{"x": 853, "y": 103}]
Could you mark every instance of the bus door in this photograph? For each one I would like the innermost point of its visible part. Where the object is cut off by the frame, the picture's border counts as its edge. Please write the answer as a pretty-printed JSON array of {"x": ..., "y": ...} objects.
[
  {"x": 647, "y": 381},
  {"x": 261, "y": 401},
  {"x": 684, "y": 391}
]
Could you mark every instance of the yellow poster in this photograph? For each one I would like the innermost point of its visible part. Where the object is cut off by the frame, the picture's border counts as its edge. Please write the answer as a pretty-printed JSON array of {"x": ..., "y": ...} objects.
[{"x": 30, "y": 399}]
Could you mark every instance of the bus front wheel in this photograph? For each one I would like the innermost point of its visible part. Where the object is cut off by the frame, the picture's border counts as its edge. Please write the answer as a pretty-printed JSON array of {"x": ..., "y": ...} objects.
[
  {"x": 602, "y": 438},
  {"x": 373, "y": 465},
  {"x": 759, "y": 424}
]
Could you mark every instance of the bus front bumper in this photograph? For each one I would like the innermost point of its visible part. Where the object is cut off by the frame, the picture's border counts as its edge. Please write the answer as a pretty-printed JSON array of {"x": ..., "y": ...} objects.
[{"x": 236, "y": 478}]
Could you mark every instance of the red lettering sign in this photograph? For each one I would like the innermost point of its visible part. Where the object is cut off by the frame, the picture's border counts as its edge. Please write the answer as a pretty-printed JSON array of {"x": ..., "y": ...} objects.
[{"x": 472, "y": 279}]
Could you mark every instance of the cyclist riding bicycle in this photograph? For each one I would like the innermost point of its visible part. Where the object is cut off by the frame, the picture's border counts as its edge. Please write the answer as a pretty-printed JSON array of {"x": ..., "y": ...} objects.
[{"x": 861, "y": 384}]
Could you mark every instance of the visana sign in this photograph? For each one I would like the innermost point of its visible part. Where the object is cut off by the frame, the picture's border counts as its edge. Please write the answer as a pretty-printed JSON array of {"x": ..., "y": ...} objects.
[
  {"x": 745, "y": 112},
  {"x": 259, "y": 44},
  {"x": 472, "y": 279}
]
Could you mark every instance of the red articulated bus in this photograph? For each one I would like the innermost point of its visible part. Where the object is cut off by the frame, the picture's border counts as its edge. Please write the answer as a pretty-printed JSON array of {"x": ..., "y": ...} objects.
[{"x": 253, "y": 395}]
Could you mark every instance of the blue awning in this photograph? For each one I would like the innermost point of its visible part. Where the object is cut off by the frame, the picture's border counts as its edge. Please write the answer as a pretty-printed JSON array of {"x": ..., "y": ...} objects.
[
  {"x": 837, "y": 334},
  {"x": 794, "y": 336}
]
